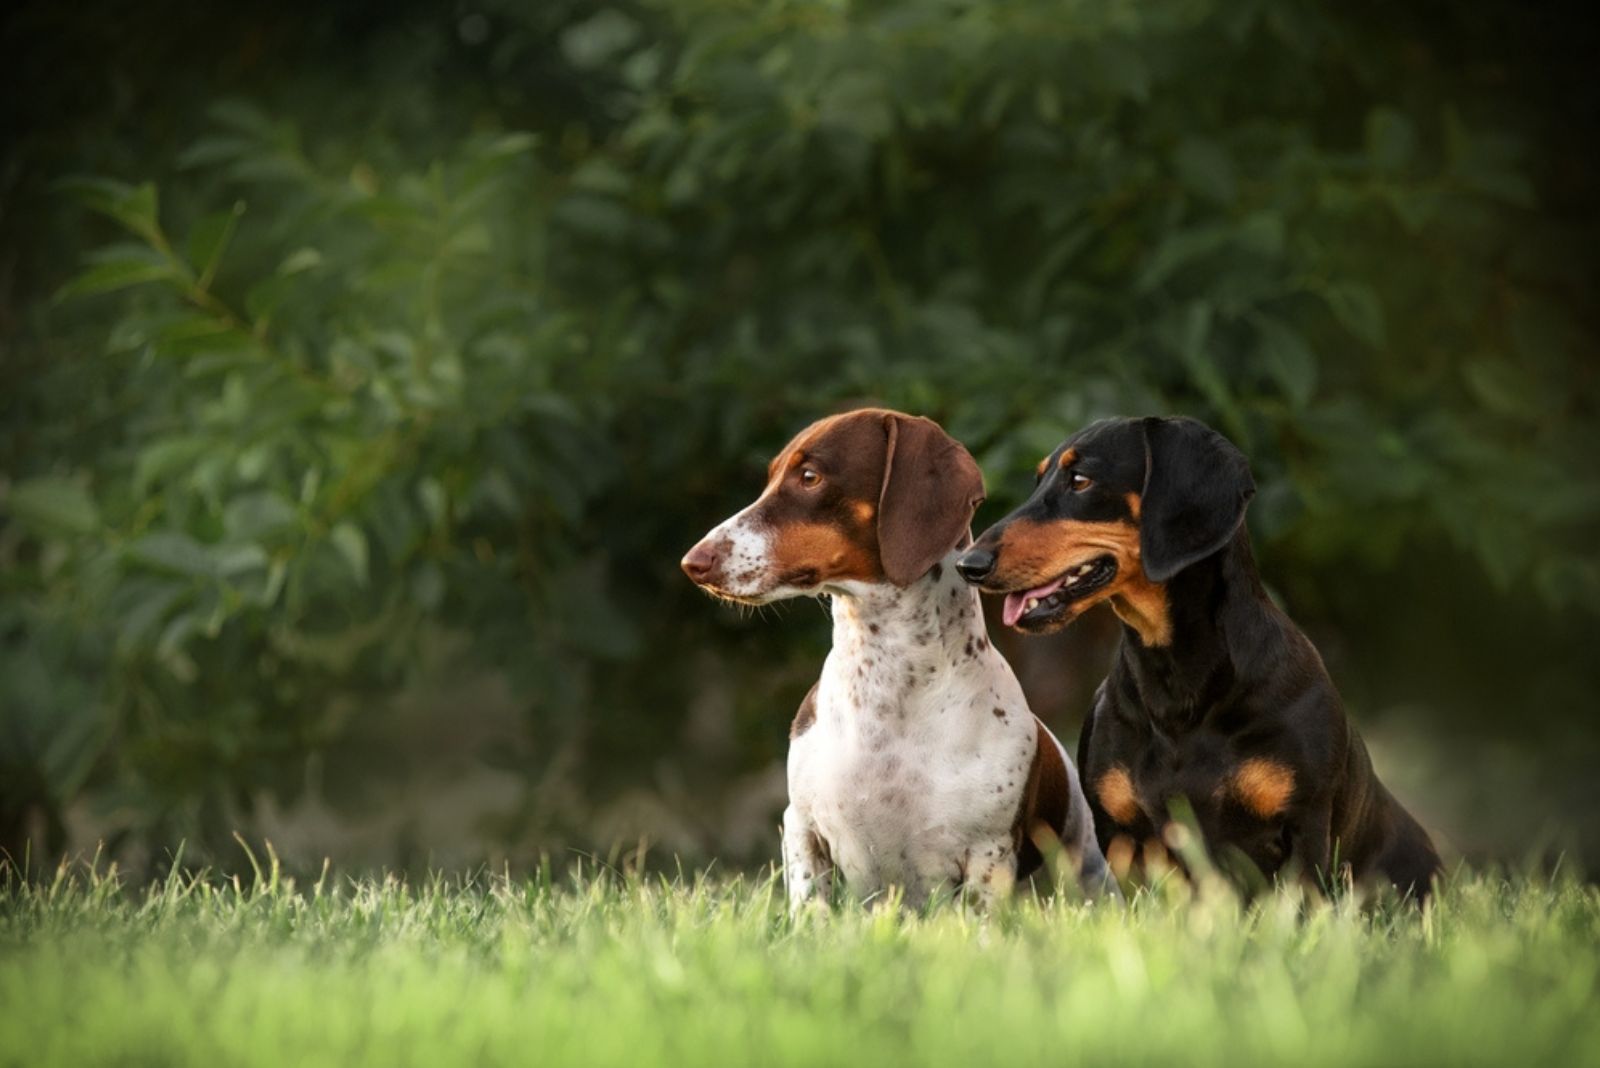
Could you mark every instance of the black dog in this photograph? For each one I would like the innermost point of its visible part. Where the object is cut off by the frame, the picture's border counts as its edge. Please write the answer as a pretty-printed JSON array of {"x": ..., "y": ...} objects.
[{"x": 1215, "y": 696}]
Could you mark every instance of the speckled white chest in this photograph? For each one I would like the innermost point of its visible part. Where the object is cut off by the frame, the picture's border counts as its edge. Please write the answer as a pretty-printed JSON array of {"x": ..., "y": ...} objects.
[{"x": 922, "y": 743}]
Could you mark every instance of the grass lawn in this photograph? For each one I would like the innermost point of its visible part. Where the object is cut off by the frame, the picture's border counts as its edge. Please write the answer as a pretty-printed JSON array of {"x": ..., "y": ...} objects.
[{"x": 640, "y": 971}]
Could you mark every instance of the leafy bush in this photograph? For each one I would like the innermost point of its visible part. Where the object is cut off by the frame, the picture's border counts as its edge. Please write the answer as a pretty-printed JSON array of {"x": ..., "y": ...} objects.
[{"x": 352, "y": 393}]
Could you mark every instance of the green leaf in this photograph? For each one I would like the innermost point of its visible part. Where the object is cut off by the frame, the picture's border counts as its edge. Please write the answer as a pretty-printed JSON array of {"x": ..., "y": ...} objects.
[
  {"x": 173, "y": 551},
  {"x": 1180, "y": 248},
  {"x": 1391, "y": 140},
  {"x": 231, "y": 560},
  {"x": 1206, "y": 169},
  {"x": 165, "y": 457},
  {"x": 136, "y": 207},
  {"x": 1356, "y": 306},
  {"x": 1504, "y": 390},
  {"x": 1288, "y": 359},
  {"x": 209, "y": 240},
  {"x": 258, "y": 515},
  {"x": 591, "y": 42},
  {"x": 112, "y": 275},
  {"x": 53, "y": 506},
  {"x": 352, "y": 545},
  {"x": 301, "y": 259}
]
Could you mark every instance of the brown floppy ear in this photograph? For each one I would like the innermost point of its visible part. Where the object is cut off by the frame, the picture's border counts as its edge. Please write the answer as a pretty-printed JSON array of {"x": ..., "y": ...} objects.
[{"x": 931, "y": 487}]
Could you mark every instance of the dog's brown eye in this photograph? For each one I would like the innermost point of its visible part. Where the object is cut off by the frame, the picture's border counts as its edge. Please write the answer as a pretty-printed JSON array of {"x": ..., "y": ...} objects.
[
  {"x": 809, "y": 478},
  {"x": 1081, "y": 482}
]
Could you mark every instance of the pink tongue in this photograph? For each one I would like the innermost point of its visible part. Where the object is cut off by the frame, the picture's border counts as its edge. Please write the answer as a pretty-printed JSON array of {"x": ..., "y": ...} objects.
[{"x": 1012, "y": 610}]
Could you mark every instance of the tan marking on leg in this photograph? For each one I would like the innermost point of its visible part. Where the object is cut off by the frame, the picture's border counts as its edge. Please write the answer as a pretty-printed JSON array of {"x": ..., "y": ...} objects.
[
  {"x": 1119, "y": 856},
  {"x": 1263, "y": 786},
  {"x": 1115, "y": 792}
]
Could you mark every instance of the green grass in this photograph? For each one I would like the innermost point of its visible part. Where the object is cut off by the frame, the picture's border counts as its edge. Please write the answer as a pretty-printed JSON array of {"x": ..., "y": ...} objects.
[{"x": 637, "y": 971}]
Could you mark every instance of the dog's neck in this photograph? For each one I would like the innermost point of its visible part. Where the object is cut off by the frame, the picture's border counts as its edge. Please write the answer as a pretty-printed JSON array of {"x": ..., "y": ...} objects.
[
  {"x": 903, "y": 639},
  {"x": 1214, "y": 611}
]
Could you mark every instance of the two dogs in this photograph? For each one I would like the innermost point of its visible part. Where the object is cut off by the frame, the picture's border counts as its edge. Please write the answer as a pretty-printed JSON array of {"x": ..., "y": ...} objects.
[{"x": 915, "y": 762}]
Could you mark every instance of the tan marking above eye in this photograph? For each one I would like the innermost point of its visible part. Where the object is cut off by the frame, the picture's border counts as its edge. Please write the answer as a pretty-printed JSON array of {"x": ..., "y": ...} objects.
[
  {"x": 1263, "y": 786},
  {"x": 1068, "y": 458},
  {"x": 1115, "y": 792},
  {"x": 1038, "y": 472}
]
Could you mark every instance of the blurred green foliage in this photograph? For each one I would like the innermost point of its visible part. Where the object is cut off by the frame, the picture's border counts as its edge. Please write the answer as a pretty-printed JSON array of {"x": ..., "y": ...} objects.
[{"x": 475, "y": 332}]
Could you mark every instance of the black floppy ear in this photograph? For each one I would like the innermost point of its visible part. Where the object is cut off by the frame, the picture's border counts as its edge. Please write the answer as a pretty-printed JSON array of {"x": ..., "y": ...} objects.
[
  {"x": 931, "y": 487},
  {"x": 1196, "y": 487}
]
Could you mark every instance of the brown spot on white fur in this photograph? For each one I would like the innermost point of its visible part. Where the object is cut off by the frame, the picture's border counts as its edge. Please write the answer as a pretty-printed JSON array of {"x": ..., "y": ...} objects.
[
  {"x": 806, "y": 716},
  {"x": 1262, "y": 786},
  {"x": 1114, "y": 790}
]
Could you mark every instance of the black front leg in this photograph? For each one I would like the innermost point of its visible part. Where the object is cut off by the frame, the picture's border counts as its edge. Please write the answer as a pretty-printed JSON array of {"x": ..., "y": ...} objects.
[{"x": 1311, "y": 847}]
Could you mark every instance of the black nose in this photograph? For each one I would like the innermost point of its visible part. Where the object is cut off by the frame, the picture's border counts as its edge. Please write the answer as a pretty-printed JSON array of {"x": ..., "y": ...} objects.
[{"x": 975, "y": 564}]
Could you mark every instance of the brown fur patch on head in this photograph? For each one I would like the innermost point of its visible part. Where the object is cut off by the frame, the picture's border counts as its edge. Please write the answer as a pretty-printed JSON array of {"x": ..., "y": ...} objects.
[
  {"x": 891, "y": 494},
  {"x": 1114, "y": 791},
  {"x": 1068, "y": 458},
  {"x": 1262, "y": 786},
  {"x": 827, "y": 533},
  {"x": 1038, "y": 472},
  {"x": 809, "y": 554},
  {"x": 1034, "y": 553}
]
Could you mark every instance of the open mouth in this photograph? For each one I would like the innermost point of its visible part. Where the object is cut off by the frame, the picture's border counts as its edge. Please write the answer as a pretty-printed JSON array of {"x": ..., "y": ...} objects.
[{"x": 1027, "y": 608}]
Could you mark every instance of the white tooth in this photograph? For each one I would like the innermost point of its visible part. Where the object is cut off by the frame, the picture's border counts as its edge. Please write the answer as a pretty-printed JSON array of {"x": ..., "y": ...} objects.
[
  {"x": 1033, "y": 602},
  {"x": 1073, "y": 581}
]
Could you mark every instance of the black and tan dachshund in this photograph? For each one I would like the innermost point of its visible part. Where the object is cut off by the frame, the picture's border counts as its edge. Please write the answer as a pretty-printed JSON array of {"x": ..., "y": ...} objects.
[{"x": 1215, "y": 696}]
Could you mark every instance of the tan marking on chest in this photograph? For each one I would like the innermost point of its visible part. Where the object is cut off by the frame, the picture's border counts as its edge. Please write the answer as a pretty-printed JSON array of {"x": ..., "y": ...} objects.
[
  {"x": 1262, "y": 786},
  {"x": 1114, "y": 790}
]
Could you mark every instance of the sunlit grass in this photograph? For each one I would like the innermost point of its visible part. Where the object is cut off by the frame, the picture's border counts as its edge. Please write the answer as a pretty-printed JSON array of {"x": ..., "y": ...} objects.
[{"x": 601, "y": 969}]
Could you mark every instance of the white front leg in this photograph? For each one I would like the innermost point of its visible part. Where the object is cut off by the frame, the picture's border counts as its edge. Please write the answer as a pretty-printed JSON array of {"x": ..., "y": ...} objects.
[
  {"x": 807, "y": 871},
  {"x": 991, "y": 872}
]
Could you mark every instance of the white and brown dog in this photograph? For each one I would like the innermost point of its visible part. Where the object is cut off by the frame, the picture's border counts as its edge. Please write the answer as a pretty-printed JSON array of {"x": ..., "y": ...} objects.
[{"x": 914, "y": 761}]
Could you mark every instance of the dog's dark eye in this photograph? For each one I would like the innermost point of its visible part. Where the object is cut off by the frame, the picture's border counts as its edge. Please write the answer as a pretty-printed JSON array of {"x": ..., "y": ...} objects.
[
  {"x": 1080, "y": 482},
  {"x": 809, "y": 478}
]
